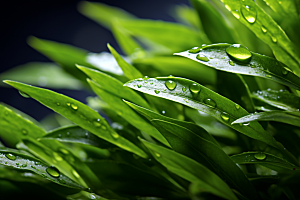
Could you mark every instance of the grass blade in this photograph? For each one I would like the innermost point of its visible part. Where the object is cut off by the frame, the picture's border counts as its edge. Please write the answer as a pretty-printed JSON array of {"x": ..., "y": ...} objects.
[
  {"x": 292, "y": 118},
  {"x": 188, "y": 143},
  {"x": 266, "y": 159},
  {"x": 20, "y": 160},
  {"x": 265, "y": 28},
  {"x": 78, "y": 113},
  {"x": 216, "y": 56},
  {"x": 190, "y": 170},
  {"x": 280, "y": 99}
]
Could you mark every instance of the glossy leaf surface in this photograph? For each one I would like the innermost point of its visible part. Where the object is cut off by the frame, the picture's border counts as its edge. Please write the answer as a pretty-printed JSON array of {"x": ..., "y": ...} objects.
[
  {"x": 216, "y": 56},
  {"x": 78, "y": 113}
]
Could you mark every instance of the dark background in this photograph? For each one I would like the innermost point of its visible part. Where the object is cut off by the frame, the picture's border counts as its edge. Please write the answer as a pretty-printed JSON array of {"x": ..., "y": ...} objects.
[{"x": 59, "y": 20}]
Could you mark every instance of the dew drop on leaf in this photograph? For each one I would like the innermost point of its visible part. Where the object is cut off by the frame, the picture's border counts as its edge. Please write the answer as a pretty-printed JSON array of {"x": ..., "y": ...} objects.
[
  {"x": 139, "y": 86},
  {"x": 274, "y": 39},
  {"x": 263, "y": 29},
  {"x": 284, "y": 71},
  {"x": 249, "y": 13},
  {"x": 156, "y": 91},
  {"x": 239, "y": 53},
  {"x": 10, "y": 156},
  {"x": 52, "y": 171},
  {"x": 74, "y": 107},
  {"x": 97, "y": 123},
  {"x": 246, "y": 124},
  {"x": 171, "y": 85},
  {"x": 183, "y": 89},
  {"x": 231, "y": 62},
  {"x": 195, "y": 88},
  {"x": 194, "y": 50},
  {"x": 115, "y": 135},
  {"x": 17, "y": 163},
  {"x": 202, "y": 58},
  {"x": 260, "y": 156},
  {"x": 236, "y": 13},
  {"x": 237, "y": 106},
  {"x": 225, "y": 117},
  {"x": 211, "y": 103},
  {"x": 23, "y": 94},
  {"x": 24, "y": 132},
  {"x": 157, "y": 155},
  {"x": 58, "y": 104},
  {"x": 68, "y": 104},
  {"x": 24, "y": 165}
]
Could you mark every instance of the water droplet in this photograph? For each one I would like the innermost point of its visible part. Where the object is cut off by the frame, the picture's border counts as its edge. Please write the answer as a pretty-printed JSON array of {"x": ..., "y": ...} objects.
[
  {"x": 284, "y": 71},
  {"x": 23, "y": 94},
  {"x": 203, "y": 45},
  {"x": 68, "y": 104},
  {"x": 52, "y": 171},
  {"x": 202, "y": 58},
  {"x": 24, "y": 131},
  {"x": 194, "y": 50},
  {"x": 156, "y": 91},
  {"x": 246, "y": 124},
  {"x": 239, "y": 53},
  {"x": 58, "y": 104},
  {"x": 103, "y": 127},
  {"x": 171, "y": 85},
  {"x": 97, "y": 123},
  {"x": 195, "y": 88},
  {"x": 274, "y": 39},
  {"x": 17, "y": 163},
  {"x": 139, "y": 86},
  {"x": 183, "y": 89},
  {"x": 37, "y": 163},
  {"x": 225, "y": 117},
  {"x": 249, "y": 13},
  {"x": 260, "y": 156},
  {"x": 231, "y": 62},
  {"x": 115, "y": 135},
  {"x": 263, "y": 29},
  {"x": 33, "y": 167},
  {"x": 163, "y": 112},
  {"x": 24, "y": 165},
  {"x": 252, "y": 65},
  {"x": 74, "y": 107},
  {"x": 211, "y": 103},
  {"x": 64, "y": 151},
  {"x": 146, "y": 77},
  {"x": 237, "y": 106},
  {"x": 10, "y": 156},
  {"x": 157, "y": 155}
]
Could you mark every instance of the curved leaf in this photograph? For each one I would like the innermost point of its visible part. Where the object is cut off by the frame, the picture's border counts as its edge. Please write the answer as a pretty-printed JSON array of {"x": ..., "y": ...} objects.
[
  {"x": 78, "y": 113},
  {"x": 129, "y": 71},
  {"x": 75, "y": 134},
  {"x": 14, "y": 127},
  {"x": 280, "y": 99},
  {"x": 150, "y": 115},
  {"x": 292, "y": 118},
  {"x": 191, "y": 171},
  {"x": 126, "y": 113},
  {"x": 265, "y": 28},
  {"x": 19, "y": 160},
  {"x": 216, "y": 105},
  {"x": 265, "y": 159},
  {"x": 259, "y": 65}
]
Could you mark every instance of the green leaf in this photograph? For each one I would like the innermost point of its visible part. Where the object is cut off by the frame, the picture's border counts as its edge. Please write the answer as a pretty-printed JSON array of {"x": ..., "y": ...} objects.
[
  {"x": 129, "y": 115},
  {"x": 150, "y": 115},
  {"x": 213, "y": 22},
  {"x": 265, "y": 159},
  {"x": 129, "y": 71},
  {"x": 15, "y": 127},
  {"x": 20, "y": 160},
  {"x": 186, "y": 15},
  {"x": 196, "y": 96},
  {"x": 266, "y": 29},
  {"x": 216, "y": 56},
  {"x": 102, "y": 13},
  {"x": 171, "y": 36},
  {"x": 280, "y": 99},
  {"x": 43, "y": 74},
  {"x": 78, "y": 113},
  {"x": 287, "y": 117},
  {"x": 191, "y": 171},
  {"x": 205, "y": 152},
  {"x": 130, "y": 180},
  {"x": 75, "y": 134},
  {"x": 173, "y": 66}
]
